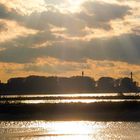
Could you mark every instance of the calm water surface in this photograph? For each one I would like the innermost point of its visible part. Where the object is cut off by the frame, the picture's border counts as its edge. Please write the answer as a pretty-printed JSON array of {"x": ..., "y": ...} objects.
[
  {"x": 69, "y": 95},
  {"x": 69, "y": 130}
]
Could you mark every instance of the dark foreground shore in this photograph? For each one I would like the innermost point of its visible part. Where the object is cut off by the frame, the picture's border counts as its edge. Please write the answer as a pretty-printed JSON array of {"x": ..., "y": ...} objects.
[{"x": 102, "y": 111}]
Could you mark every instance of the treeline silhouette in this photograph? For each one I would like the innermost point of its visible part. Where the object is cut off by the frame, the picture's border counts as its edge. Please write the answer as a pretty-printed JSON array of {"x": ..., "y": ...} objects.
[{"x": 42, "y": 84}]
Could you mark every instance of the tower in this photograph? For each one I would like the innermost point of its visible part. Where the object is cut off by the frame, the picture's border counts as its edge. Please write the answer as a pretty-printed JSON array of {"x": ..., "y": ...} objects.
[
  {"x": 82, "y": 73},
  {"x": 131, "y": 74}
]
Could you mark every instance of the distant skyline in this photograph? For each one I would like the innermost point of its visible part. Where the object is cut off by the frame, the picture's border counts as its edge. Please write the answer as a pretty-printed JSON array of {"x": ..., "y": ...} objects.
[{"x": 66, "y": 37}]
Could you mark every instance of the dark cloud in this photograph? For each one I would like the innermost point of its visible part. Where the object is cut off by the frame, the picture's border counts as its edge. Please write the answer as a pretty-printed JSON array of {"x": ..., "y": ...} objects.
[
  {"x": 34, "y": 40},
  {"x": 98, "y": 14},
  {"x": 94, "y": 15},
  {"x": 122, "y": 48},
  {"x": 41, "y": 21},
  {"x": 106, "y": 11},
  {"x": 91, "y": 22},
  {"x": 7, "y": 13}
]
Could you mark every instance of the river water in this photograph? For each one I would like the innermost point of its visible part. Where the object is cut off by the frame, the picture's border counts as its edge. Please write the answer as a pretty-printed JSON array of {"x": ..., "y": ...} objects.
[
  {"x": 69, "y": 130},
  {"x": 66, "y": 98}
]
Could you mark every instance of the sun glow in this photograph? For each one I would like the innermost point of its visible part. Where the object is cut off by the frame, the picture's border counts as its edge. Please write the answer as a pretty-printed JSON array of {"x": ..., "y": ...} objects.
[
  {"x": 70, "y": 130},
  {"x": 74, "y": 5},
  {"x": 76, "y": 2}
]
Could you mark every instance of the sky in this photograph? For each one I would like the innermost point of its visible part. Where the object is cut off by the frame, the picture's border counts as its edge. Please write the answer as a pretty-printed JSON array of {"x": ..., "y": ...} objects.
[{"x": 66, "y": 37}]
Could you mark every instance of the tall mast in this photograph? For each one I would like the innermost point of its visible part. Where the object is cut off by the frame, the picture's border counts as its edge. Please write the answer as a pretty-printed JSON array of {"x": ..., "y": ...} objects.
[
  {"x": 82, "y": 73},
  {"x": 131, "y": 74}
]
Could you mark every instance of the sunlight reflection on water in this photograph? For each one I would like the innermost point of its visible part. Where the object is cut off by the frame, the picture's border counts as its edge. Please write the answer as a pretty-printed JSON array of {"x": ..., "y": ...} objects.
[
  {"x": 73, "y": 101},
  {"x": 69, "y": 130},
  {"x": 68, "y": 95},
  {"x": 67, "y": 101},
  {"x": 60, "y": 98}
]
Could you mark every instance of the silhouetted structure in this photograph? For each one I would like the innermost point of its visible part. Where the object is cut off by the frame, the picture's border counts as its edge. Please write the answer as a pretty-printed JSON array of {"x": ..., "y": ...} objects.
[
  {"x": 131, "y": 76},
  {"x": 40, "y": 84},
  {"x": 106, "y": 84},
  {"x": 82, "y": 73},
  {"x": 127, "y": 85}
]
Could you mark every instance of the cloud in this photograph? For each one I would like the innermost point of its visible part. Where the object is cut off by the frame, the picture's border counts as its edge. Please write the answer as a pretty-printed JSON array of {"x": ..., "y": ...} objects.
[
  {"x": 56, "y": 66},
  {"x": 43, "y": 20},
  {"x": 104, "y": 12},
  {"x": 55, "y": 1},
  {"x": 29, "y": 40},
  {"x": 119, "y": 48},
  {"x": 98, "y": 14},
  {"x": 114, "y": 69},
  {"x": 127, "y": 0},
  {"x": 136, "y": 30},
  {"x": 3, "y": 27},
  {"x": 10, "y": 31},
  {"x": 94, "y": 14},
  {"x": 9, "y": 13}
]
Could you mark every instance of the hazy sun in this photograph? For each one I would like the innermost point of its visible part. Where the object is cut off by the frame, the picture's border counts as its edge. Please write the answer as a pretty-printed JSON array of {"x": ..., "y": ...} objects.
[
  {"x": 76, "y": 2},
  {"x": 74, "y": 5},
  {"x": 39, "y": 5}
]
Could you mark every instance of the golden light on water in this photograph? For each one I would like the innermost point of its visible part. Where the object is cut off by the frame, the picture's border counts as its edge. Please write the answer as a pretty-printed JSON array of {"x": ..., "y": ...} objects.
[
  {"x": 54, "y": 130},
  {"x": 70, "y": 130}
]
